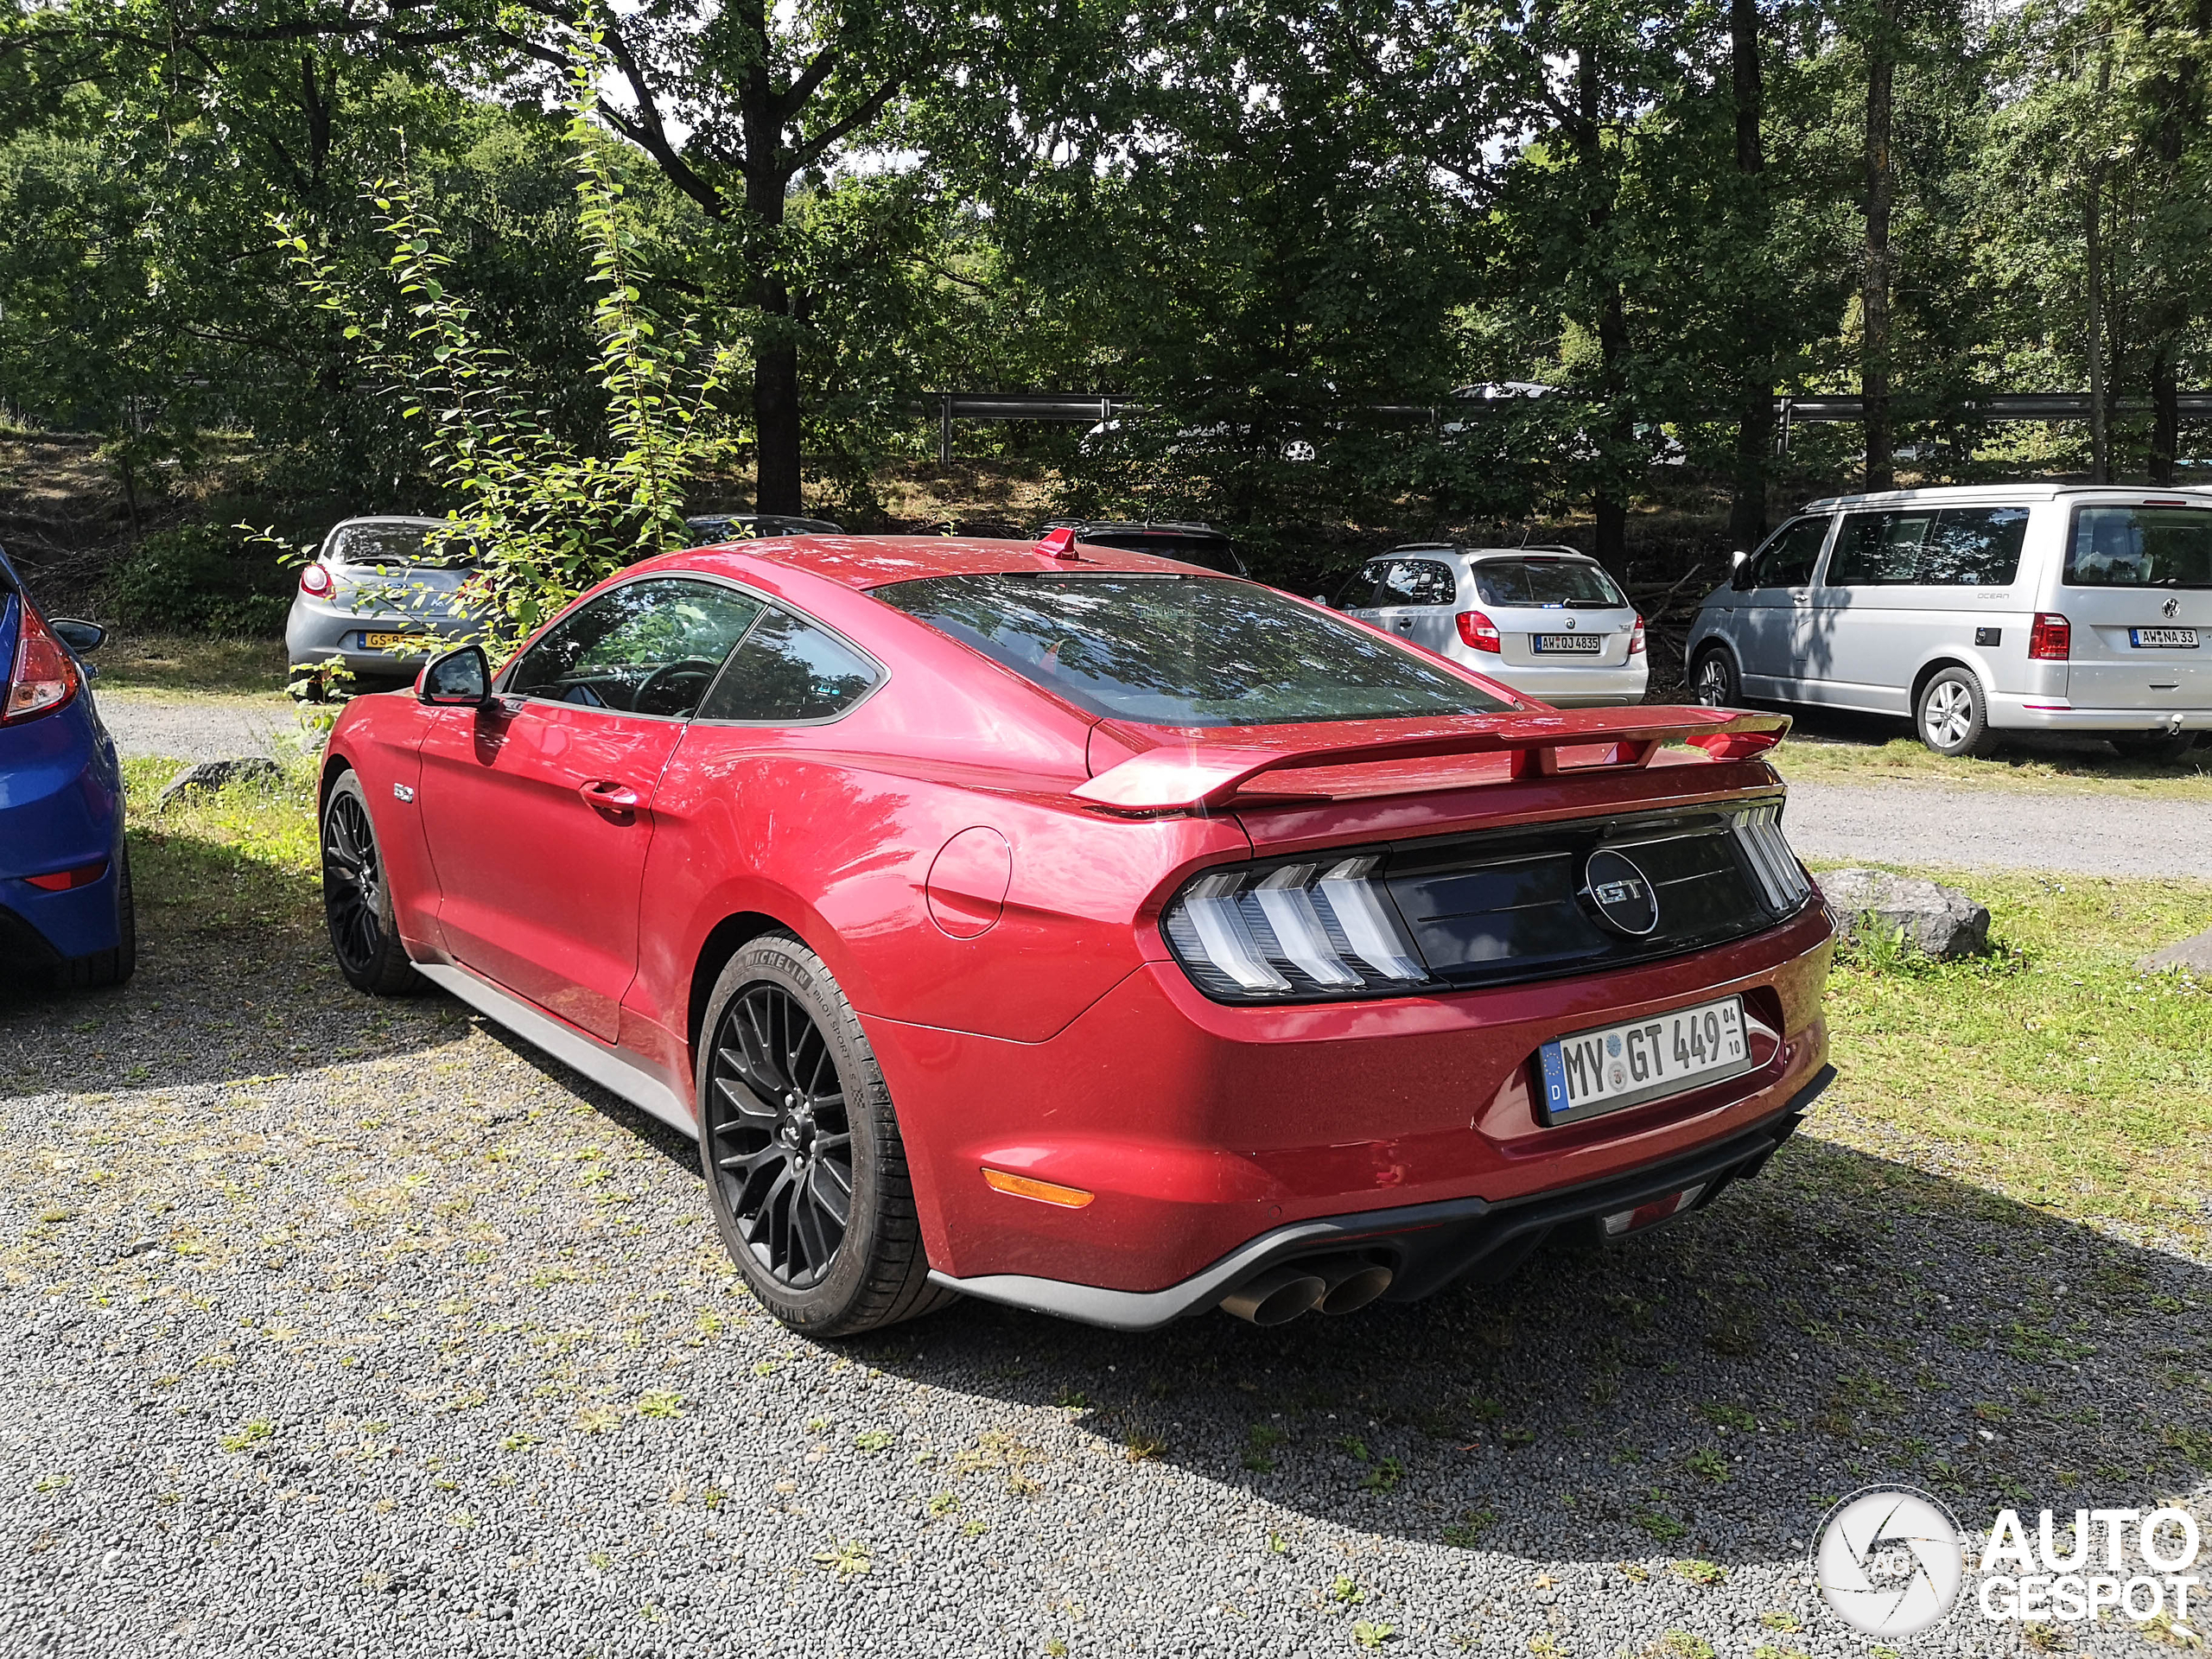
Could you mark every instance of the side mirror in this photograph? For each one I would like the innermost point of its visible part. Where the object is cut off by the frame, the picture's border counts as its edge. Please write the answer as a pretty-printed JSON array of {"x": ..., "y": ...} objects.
[
  {"x": 1322, "y": 600},
  {"x": 80, "y": 637},
  {"x": 460, "y": 678},
  {"x": 1736, "y": 559}
]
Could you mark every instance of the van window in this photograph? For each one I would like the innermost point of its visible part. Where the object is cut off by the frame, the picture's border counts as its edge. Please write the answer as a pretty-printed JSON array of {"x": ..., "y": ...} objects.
[
  {"x": 1788, "y": 559},
  {"x": 1537, "y": 581},
  {"x": 1415, "y": 581},
  {"x": 1954, "y": 547},
  {"x": 2140, "y": 547}
]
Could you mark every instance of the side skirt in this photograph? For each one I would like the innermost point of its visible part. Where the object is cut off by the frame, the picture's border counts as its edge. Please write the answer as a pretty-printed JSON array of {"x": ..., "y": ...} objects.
[{"x": 610, "y": 1068}]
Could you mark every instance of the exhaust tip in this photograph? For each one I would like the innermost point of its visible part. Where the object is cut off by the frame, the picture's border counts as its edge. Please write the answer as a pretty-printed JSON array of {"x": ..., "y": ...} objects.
[
  {"x": 1352, "y": 1284},
  {"x": 1276, "y": 1297}
]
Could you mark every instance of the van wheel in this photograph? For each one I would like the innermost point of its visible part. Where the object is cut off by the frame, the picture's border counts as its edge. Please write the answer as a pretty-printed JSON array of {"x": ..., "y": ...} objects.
[
  {"x": 2159, "y": 748},
  {"x": 1716, "y": 682},
  {"x": 1952, "y": 717}
]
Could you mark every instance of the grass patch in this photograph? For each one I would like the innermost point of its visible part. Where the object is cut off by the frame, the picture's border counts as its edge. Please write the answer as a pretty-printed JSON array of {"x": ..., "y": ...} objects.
[
  {"x": 2054, "y": 1072},
  {"x": 2086, "y": 771},
  {"x": 245, "y": 858},
  {"x": 129, "y": 661}
]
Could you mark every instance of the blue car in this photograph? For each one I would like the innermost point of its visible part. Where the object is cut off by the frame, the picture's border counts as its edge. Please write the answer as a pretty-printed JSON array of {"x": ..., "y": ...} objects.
[{"x": 65, "y": 876}]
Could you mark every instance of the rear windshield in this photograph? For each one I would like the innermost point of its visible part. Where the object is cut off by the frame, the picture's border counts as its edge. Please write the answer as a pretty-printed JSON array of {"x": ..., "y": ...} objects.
[
  {"x": 1545, "y": 582},
  {"x": 397, "y": 544},
  {"x": 1186, "y": 651},
  {"x": 2140, "y": 547}
]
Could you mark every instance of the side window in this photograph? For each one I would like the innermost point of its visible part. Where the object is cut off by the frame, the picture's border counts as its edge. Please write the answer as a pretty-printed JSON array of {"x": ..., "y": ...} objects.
[
  {"x": 650, "y": 647},
  {"x": 1975, "y": 547},
  {"x": 1788, "y": 559},
  {"x": 1879, "y": 550},
  {"x": 1358, "y": 592},
  {"x": 1415, "y": 581},
  {"x": 789, "y": 671}
]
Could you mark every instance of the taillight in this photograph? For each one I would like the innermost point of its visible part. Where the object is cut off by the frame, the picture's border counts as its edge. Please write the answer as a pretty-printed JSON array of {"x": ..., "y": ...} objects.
[
  {"x": 42, "y": 677},
  {"x": 1636, "y": 637},
  {"x": 1479, "y": 631},
  {"x": 2051, "y": 639},
  {"x": 315, "y": 579},
  {"x": 1288, "y": 932}
]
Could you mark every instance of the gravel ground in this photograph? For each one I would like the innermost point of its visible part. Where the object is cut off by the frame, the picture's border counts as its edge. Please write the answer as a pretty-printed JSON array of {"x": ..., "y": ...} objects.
[
  {"x": 194, "y": 728},
  {"x": 1955, "y": 828},
  {"x": 330, "y": 1326}
]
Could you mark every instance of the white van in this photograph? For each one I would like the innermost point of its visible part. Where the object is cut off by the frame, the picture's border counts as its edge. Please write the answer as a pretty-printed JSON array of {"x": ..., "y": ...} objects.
[{"x": 1978, "y": 610}]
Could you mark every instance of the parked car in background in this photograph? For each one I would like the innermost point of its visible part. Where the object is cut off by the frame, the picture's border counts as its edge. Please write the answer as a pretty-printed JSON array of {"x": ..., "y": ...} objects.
[
  {"x": 1546, "y": 620},
  {"x": 1069, "y": 928},
  {"x": 378, "y": 588},
  {"x": 1199, "y": 544},
  {"x": 66, "y": 912},
  {"x": 747, "y": 526},
  {"x": 1976, "y": 610}
]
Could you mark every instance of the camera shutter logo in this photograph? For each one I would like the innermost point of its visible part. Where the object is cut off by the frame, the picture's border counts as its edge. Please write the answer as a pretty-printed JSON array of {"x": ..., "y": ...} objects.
[
  {"x": 1889, "y": 1560},
  {"x": 1621, "y": 893}
]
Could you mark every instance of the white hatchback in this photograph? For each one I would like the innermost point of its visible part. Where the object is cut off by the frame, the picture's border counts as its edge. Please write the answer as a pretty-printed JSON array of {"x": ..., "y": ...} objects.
[
  {"x": 1976, "y": 610},
  {"x": 1547, "y": 621}
]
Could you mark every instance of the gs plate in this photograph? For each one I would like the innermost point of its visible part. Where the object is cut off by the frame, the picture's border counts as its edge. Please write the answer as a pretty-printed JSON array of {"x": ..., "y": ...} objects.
[
  {"x": 383, "y": 641},
  {"x": 2163, "y": 638},
  {"x": 1577, "y": 644},
  {"x": 1592, "y": 1072}
]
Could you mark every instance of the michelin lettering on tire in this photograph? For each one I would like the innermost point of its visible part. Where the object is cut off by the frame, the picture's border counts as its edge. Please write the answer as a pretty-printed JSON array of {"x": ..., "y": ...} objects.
[{"x": 1889, "y": 1560}]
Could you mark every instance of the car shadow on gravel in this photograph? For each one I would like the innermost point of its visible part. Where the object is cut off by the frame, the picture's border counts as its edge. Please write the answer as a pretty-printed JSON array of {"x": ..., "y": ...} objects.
[{"x": 1701, "y": 1394}]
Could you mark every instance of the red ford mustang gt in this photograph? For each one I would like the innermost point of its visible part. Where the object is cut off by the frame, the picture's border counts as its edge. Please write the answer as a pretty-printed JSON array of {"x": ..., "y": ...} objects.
[{"x": 1079, "y": 930}]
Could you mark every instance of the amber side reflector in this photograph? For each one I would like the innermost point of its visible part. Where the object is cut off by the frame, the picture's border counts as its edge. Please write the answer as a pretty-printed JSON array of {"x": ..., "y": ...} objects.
[{"x": 1027, "y": 1187}]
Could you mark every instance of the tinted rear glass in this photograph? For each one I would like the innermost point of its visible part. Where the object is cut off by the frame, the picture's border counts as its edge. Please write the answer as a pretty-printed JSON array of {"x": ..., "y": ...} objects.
[
  {"x": 1545, "y": 582},
  {"x": 1415, "y": 581},
  {"x": 2140, "y": 547},
  {"x": 1186, "y": 651},
  {"x": 1208, "y": 552},
  {"x": 1954, "y": 547},
  {"x": 396, "y": 544}
]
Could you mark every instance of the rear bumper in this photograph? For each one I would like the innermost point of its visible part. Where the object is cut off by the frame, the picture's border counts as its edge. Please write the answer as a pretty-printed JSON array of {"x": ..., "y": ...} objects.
[
  {"x": 1428, "y": 1247},
  {"x": 1201, "y": 1127},
  {"x": 1578, "y": 686},
  {"x": 61, "y": 809},
  {"x": 2057, "y": 714},
  {"x": 315, "y": 633}
]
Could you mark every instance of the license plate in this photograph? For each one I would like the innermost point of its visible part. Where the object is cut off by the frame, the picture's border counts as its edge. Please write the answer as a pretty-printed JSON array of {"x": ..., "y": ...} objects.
[
  {"x": 383, "y": 641},
  {"x": 1587, "y": 643},
  {"x": 2163, "y": 638},
  {"x": 1596, "y": 1072}
]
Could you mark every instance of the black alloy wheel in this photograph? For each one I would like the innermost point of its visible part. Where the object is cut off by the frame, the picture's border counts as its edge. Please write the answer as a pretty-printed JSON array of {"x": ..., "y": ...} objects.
[
  {"x": 356, "y": 899},
  {"x": 806, "y": 1173},
  {"x": 782, "y": 1143}
]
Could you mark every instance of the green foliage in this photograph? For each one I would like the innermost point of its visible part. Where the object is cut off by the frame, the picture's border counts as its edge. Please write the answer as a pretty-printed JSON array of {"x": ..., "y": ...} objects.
[
  {"x": 202, "y": 578},
  {"x": 543, "y": 517}
]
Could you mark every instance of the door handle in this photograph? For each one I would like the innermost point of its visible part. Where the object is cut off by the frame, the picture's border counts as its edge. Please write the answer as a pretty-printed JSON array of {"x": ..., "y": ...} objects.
[
  {"x": 1801, "y": 598},
  {"x": 607, "y": 797},
  {"x": 1406, "y": 623}
]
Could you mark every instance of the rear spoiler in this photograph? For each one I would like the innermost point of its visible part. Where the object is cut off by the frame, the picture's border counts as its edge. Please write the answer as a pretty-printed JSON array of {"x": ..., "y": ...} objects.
[{"x": 1178, "y": 778}]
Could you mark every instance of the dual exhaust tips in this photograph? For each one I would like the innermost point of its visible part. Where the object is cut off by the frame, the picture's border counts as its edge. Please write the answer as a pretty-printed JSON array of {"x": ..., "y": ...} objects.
[{"x": 1333, "y": 1284}]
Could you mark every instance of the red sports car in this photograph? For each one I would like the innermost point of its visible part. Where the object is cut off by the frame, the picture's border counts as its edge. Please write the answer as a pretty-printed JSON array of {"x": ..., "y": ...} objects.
[{"x": 1076, "y": 929}]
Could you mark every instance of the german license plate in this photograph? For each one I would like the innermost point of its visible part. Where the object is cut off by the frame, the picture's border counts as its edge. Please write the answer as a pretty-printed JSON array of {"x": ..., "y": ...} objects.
[
  {"x": 1592, "y": 1072},
  {"x": 1584, "y": 644},
  {"x": 383, "y": 641},
  {"x": 2163, "y": 638}
]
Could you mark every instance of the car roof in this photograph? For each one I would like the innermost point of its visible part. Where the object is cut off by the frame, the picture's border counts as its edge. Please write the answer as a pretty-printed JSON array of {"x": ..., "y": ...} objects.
[
  {"x": 385, "y": 519},
  {"x": 1164, "y": 526},
  {"x": 1540, "y": 548},
  {"x": 865, "y": 561},
  {"x": 1996, "y": 494}
]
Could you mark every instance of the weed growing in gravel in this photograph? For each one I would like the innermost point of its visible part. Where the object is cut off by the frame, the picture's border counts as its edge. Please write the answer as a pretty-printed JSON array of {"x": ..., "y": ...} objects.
[
  {"x": 1776, "y": 1618},
  {"x": 1385, "y": 1475},
  {"x": 1369, "y": 1634},
  {"x": 1662, "y": 1526},
  {"x": 1700, "y": 1572},
  {"x": 874, "y": 1440},
  {"x": 942, "y": 1504},
  {"x": 1347, "y": 1592},
  {"x": 1467, "y": 1531},
  {"x": 660, "y": 1402},
  {"x": 848, "y": 1558},
  {"x": 1768, "y": 1651},
  {"x": 252, "y": 1432},
  {"x": 1679, "y": 1644},
  {"x": 1708, "y": 1463}
]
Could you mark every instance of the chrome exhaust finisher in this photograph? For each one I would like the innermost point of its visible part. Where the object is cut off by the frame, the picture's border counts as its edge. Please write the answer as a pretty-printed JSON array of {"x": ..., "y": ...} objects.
[
  {"x": 1277, "y": 1296},
  {"x": 1353, "y": 1281}
]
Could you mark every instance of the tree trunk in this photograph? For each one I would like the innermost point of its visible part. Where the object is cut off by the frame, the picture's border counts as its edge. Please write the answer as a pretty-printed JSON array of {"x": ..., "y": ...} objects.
[
  {"x": 776, "y": 486},
  {"x": 2093, "y": 244},
  {"x": 1608, "y": 507},
  {"x": 2165, "y": 409},
  {"x": 1755, "y": 425},
  {"x": 1874, "y": 313}
]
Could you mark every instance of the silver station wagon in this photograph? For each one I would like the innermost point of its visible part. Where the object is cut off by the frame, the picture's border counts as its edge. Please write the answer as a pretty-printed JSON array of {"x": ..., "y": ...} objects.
[
  {"x": 1974, "y": 611},
  {"x": 1545, "y": 620}
]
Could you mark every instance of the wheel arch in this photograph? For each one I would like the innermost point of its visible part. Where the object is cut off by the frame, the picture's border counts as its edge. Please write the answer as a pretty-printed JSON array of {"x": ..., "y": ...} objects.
[
  {"x": 1935, "y": 665},
  {"x": 724, "y": 940}
]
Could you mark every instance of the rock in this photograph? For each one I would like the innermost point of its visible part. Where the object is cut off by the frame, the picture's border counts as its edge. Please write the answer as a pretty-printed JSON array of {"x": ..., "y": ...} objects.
[
  {"x": 2194, "y": 953},
  {"x": 1941, "y": 921},
  {"x": 214, "y": 774}
]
